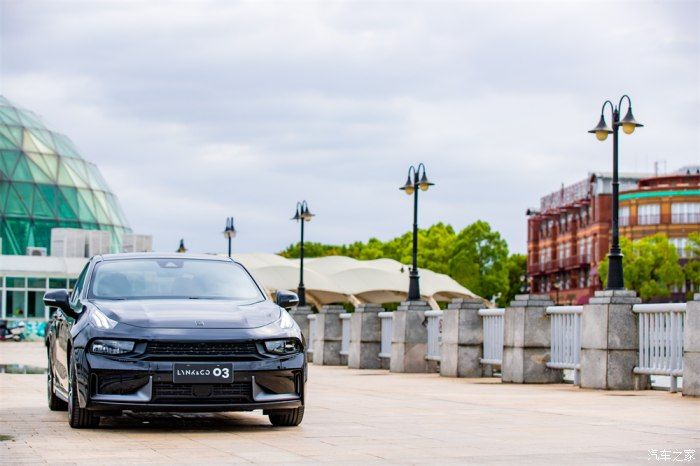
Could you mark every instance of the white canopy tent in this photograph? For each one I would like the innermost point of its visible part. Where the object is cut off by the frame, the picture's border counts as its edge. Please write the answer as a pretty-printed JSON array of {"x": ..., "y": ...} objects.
[{"x": 335, "y": 279}]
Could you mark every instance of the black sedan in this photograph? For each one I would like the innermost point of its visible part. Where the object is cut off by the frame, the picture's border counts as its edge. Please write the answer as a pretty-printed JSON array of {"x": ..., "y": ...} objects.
[{"x": 173, "y": 332}]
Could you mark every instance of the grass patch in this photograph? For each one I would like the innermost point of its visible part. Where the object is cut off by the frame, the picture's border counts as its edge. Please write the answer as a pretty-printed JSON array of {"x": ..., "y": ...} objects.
[{"x": 4, "y": 438}]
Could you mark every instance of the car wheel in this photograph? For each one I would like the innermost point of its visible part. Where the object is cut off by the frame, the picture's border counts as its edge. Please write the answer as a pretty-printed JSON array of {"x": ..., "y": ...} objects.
[
  {"x": 78, "y": 418},
  {"x": 55, "y": 403},
  {"x": 287, "y": 418}
]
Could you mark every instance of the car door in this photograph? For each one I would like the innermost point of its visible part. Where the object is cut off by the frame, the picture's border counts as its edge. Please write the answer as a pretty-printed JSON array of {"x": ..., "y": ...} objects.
[{"x": 63, "y": 324}]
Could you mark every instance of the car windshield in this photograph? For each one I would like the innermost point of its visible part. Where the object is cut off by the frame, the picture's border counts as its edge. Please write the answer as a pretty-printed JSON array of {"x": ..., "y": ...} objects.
[{"x": 160, "y": 278}]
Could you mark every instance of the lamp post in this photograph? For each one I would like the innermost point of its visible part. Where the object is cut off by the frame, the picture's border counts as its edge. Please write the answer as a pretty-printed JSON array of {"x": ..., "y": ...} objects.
[
  {"x": 416, "y": 180},
  {"x": 229, "y": 233},
  {"x": 601, "y": 131},
  {"x": 302, "y": 214}
]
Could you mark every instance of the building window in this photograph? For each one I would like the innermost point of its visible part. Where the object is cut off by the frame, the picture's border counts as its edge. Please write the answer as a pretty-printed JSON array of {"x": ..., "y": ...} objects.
[
  {"x": 23, "y": 297},
  {"x": 680, "y": 244},
  {"x": 685, "y": 212},
  {"x": 624, "y": 216},
  {"x": 648, "y": 214}
]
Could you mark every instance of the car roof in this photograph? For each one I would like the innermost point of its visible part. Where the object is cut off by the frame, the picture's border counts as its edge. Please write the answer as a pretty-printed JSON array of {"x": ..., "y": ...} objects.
[{"x": 162, "y": 255}]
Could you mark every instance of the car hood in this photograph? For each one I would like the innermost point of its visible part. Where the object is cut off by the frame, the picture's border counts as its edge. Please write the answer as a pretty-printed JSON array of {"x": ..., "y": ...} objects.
[{"x": 199, "y": 313}]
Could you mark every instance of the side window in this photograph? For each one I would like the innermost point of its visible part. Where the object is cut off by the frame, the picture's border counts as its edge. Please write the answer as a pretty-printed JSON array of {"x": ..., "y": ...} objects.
[{"x": 79, "y": 285}]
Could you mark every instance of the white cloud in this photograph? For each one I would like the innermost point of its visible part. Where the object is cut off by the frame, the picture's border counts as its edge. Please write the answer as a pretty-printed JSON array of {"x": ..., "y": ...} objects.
[{"x": 198, "y": 111}]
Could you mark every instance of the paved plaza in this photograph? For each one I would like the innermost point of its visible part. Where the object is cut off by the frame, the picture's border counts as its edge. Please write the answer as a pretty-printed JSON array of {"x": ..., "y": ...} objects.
[{"x": 364, "y": 416}]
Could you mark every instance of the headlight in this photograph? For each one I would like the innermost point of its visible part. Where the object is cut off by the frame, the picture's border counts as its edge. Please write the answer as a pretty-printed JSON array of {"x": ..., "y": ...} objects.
[
  {"x": 100, "y": 320},
  {"x": 111, "y": 347},
  {"x": 286, "y": 321},
  {"x": 281, "y": 347}
]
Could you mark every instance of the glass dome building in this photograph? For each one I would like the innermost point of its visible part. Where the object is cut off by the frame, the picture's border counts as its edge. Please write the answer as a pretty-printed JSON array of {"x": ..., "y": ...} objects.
[{"x": 45, "y": 184}]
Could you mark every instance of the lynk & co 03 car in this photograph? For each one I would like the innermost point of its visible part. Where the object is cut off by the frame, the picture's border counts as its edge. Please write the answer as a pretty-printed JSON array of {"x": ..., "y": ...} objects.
[{"x": 173, "y": 332}]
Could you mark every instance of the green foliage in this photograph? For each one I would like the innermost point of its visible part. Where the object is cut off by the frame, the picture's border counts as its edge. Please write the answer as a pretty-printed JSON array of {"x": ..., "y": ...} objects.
[
  {"x": 692, "y": 267},
  {"x": 650, "y": 266},
  {"x": 517, "y": 279},
  {"x": 476, "y": 257}
]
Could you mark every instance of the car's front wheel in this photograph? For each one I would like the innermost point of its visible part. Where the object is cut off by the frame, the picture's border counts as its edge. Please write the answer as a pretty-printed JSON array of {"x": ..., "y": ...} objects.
[
  {"x": 55, "y": 403},
  {"x": 78, "y": 418},
  {"x": 287, "y": 418}
]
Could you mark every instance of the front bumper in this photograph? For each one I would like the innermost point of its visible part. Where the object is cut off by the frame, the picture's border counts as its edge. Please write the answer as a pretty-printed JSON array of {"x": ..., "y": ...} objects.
[{"x": 111, "y": 384}]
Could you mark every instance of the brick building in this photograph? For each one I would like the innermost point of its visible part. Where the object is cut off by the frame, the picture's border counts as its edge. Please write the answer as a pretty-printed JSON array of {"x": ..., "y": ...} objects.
[{"x": 569, "y": 234}]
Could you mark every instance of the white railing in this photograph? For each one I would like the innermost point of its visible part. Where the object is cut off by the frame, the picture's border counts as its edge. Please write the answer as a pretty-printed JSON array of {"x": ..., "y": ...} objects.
[
  {"x": 434, "y": 326},
  {"x": 493, "y": 335},
  {"x": 387, "y": 323},
  {"x": 661, "y": 340},
  {"x": 312, "y": 334},
  {"x": 345, "y": 335},
  {"x": 565, "y": 353}
]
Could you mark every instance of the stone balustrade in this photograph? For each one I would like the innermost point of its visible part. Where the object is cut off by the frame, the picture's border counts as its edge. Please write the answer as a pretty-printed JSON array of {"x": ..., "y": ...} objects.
[{"x": 604, "y": 346}]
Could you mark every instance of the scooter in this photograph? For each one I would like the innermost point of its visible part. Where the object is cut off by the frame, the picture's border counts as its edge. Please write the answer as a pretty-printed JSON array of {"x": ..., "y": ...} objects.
[{"x": 14, "y": 333}]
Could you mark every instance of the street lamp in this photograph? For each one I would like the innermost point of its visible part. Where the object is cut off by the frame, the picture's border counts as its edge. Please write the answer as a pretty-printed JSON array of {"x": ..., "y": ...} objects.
[
  {"x": 416, "y": 180},
  {"x": 601, "y": 131},
  {"x": 302, "y": 214},
  {"x": 229, "y": 232}
]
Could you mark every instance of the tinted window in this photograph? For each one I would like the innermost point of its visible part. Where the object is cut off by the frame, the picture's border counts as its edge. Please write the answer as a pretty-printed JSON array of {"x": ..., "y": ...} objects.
[{"x": 172, "y": 279}]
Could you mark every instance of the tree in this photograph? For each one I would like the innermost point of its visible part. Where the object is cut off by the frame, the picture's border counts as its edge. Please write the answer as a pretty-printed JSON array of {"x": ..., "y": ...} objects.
[
  {"x": 477, "y": 257},
  {"x": 692, "y": 267},
  {"x": 650, "y": 266},
  {"x": 479, "y": 260},
  {"x": 517, "y": 278}
]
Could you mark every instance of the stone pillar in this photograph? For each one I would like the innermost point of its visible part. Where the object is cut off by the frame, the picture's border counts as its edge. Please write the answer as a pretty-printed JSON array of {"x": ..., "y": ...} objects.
[
  {"x": 610, "y": 341},
  {"x": 328, "y": 336},
  {"x": 301, "y": 317},
  {"x": 462, "y": 339},
  {"x": 409, "y": 343},
  {"x": 365, "y": 337},
  {"x": 691, "y": 348},
  {"x": 526, "y": 341}
]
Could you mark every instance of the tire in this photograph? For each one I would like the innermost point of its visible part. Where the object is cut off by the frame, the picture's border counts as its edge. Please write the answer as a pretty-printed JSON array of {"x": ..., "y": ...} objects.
[
  {"x": 287, "y": 418},
  {"x": 78, "y": 418},
  {"x": 55, "y": 403}
]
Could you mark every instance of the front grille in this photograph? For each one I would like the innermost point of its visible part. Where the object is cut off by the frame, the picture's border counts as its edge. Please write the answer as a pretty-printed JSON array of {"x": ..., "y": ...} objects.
[
  {"x": 165, "y": 392},
  {"x": 218, "y": 349}
]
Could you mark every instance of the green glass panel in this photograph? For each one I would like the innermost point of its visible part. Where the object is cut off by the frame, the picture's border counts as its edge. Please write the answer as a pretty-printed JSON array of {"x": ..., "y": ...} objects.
[
  {"x": 76, "y": 169},
  {"x": 6, "y": 143},
  {"x": 68, "y": 203},
  {"x": 14, "y": 204},
  {"x": 101, "y": 209},
  {"x": 29, "y": 119},
  {"x": 8, "y": 161},
  {"x": 45, "y": 138},
  {"x": 49, "y": 193},
  {"x": 38, "y": 173},
  {"x": 71, "y": 283},
  {"x": 65, "y": 146},
  {"x": 9, "y": 116},
  {"x": 58, "y": 283},
  {"x": 13, "y": 133},
  {"x": 85, "y": 208},
  {"x": 36, "y": 282},
  {"x": 40, "y": 207},
  {"x": 22, "y": 171},
  {"x": 15, "y": 282},
  {"x": 19, "y": 232},
  {"x": 38, "y": 143}
]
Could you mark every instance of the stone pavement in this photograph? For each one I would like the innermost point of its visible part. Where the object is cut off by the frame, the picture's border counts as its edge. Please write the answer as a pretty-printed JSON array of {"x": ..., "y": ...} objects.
[{"x": 364, "y": 416}]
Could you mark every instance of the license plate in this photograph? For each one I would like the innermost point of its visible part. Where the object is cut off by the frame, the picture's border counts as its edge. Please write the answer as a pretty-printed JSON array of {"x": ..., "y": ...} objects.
[{"x": 203, "y": 373}]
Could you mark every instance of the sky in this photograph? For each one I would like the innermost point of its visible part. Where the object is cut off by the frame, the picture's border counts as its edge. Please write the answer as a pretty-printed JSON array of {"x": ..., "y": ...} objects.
[{"x": 196, "y": 111}]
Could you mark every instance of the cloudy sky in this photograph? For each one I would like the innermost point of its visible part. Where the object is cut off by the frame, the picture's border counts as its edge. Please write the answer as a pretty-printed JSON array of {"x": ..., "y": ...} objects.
[{"x": 195, "y": 111}]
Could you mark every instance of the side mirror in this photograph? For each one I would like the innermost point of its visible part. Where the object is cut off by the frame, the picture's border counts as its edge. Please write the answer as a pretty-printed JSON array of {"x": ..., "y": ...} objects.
[
  {"x": 286, "y": 299},
  {"x": 59, "y": 299}
]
